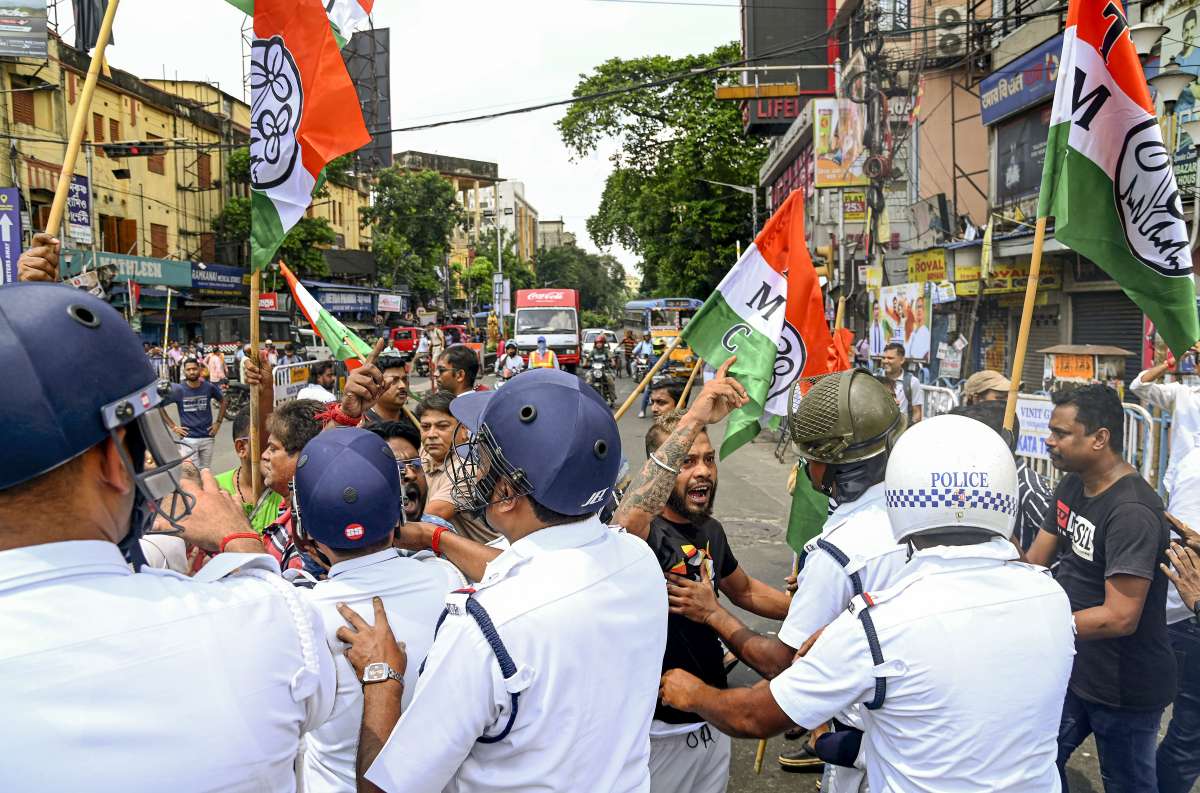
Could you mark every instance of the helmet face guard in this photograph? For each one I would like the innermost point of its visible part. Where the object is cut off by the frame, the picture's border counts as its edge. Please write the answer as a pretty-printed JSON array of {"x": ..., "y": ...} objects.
[
  {"x": 158, "y": 489},
  {"x": 476, "y": 468}
]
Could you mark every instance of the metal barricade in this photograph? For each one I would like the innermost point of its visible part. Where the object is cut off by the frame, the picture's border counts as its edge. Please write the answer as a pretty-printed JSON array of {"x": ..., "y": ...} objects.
[
  {"x": 289, "y": 379},
  {"x": 1140, "y": 441},
  {"x": 938, "y": 400}
]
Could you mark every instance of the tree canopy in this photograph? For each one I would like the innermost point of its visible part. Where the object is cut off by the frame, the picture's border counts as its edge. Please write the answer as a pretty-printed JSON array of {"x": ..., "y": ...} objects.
[
  {"x": 669, "y": 139},
  {"x": 414, "y": 214},
  {"x": 599, "y": 279}
]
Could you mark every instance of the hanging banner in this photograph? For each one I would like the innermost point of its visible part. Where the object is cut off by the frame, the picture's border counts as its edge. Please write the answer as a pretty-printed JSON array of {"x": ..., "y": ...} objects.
[
  {"x": 837, "y": 143},
  {"x": 1005, "y": 277},
  {"x": 23, "y": 29},
  {"x": 900, "y": 314}
]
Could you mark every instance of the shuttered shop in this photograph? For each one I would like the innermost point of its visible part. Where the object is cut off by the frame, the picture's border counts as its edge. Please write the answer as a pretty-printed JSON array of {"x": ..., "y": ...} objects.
[
  {"x": 1043, "y": 333},
  {"x": 1108, "y": 318}
]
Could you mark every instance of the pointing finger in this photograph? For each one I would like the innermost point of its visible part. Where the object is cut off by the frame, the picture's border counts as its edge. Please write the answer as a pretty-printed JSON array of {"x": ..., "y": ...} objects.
[{"x": 723, "y": 370}]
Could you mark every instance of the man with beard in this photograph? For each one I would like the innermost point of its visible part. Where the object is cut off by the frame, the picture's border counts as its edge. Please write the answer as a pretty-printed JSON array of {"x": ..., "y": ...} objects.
[
  {"x": 685, "y": 753},
  {"x": 320, "y": 383},
  {"x": 405, "y": 442},
  {"x": 390, "y": 406}
]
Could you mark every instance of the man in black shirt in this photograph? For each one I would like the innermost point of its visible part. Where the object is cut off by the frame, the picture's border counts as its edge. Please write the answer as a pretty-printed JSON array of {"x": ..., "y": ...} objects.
[
  {"x": 1108, "y": 525},
  {"x": 686, "y": 754}
]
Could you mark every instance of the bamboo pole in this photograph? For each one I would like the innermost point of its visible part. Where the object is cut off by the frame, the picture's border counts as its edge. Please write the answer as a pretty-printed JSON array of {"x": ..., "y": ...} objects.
[
  {"x": 255, "y": 407},
  {"x": 1035, "y": 267},
  {"x": 79, "y": 123},
  {"x": 687, "y": 388},
  {"x": 646, "y": 380}
]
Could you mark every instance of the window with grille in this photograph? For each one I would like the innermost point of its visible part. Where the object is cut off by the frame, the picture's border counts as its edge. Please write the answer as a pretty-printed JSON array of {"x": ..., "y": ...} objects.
[
  {"x": 22, "y": 103},
  {"x": 97, "y": 128},
  {"x": 156, "y": 162},
  {"x": 114, "y": 129},
  {"x": 204, "y": 171},
  {"x": 158, "y": 240}
]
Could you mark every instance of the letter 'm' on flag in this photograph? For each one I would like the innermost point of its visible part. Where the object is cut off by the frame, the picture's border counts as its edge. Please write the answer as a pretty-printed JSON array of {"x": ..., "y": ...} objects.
[
  {"x": 304, "y": 113},
  {"x": 342, "y": 342},
  {"x": 769, "y": 311},
  {"x": 1108, "y": 180}
]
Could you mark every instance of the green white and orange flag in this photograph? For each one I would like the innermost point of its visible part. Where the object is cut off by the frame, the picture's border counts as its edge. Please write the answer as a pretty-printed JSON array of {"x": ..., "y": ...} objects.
[
  {"x": 343, "y": 343},
  {"x": 347, "y": 16},
  {"x": 304, "y": 113},
  {"x": 769, "y": 311},
  {"x": 1108, "y": 181}
]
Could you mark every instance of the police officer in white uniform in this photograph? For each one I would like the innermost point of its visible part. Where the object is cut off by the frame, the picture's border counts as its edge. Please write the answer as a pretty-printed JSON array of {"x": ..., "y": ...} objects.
[
  {"x": 116, "y": 680},
  {"x": 543, "y": 677},
  {"x": 962, "y": 666},
  {"x": 346, "y": 505}
]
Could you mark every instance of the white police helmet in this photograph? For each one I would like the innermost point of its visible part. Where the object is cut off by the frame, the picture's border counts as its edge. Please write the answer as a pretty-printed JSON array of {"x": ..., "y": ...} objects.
[{"x": 951, "y": 473}]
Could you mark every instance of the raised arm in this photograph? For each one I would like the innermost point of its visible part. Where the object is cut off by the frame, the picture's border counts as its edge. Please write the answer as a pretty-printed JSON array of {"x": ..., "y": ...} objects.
[{"x": 648, "y": 493}]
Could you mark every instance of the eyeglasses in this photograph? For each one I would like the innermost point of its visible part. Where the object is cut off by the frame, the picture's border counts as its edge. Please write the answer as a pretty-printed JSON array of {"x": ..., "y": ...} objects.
[
  {"x": 412, "y": 462},
  {"x": 444, "y": 369}
]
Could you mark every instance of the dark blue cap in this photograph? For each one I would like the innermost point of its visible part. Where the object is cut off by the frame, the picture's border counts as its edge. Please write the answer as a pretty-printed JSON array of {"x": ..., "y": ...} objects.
[
  {"x": 557, "y": 430},
  {"x": 348, "y": 488},
  {"x": 65, "y": 354}
]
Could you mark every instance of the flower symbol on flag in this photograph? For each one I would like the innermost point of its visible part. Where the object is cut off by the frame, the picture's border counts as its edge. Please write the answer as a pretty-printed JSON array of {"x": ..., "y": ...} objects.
[
  {"x": 276, "y": 105},
  {"x": 790, "y": 358}
]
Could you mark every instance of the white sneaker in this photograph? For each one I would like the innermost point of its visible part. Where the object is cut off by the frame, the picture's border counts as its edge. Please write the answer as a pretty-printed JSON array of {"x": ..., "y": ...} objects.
[{"x": 642, "y": 414}]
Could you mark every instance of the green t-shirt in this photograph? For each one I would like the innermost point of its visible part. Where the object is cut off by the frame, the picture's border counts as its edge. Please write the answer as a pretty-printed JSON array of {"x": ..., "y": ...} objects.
[{"x": 264, "y": 513}]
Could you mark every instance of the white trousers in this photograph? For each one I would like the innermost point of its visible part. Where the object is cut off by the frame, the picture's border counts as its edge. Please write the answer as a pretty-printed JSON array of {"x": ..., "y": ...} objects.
[
  {"x": 199, "y": 449},
  {"x": 692, "y": 762}
]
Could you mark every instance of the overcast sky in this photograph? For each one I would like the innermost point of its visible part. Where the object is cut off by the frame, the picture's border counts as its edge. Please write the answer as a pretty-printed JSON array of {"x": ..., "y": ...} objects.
[{"x": 458, "y": 57}]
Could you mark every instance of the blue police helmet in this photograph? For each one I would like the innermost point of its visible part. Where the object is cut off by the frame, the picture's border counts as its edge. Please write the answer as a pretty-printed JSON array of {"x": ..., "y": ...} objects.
[
  {"x": 66, "y": 356},
  {"x": 556, "y": 431},
  {"x": 347, "y": 489}
]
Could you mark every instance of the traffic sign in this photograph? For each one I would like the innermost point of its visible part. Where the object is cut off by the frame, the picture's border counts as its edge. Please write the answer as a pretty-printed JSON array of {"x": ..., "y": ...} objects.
[{"x": 10, "y": 233}]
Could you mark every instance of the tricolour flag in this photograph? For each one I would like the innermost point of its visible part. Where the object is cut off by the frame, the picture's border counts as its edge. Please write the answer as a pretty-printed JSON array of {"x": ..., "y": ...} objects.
[
  {"x": 304, "y": 113},
  {"x": 769, "y": 311},
  {"x": 1108, "y": 181},
  {"x": 341, "y": 341},
  {"x": 347, "y": 16}
]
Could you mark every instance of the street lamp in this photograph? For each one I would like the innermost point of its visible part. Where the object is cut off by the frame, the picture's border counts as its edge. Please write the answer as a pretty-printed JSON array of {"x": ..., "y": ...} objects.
[
  {"x": 1145, "y": 37},
  {"x": 1168, "y": 84},
  {"x": 751, "y": 191}
]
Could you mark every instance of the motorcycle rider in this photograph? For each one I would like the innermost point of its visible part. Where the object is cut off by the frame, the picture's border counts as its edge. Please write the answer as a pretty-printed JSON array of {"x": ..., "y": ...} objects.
[
  {"x": 510, "y": 364},
  {"x": 602, "y": 353}
]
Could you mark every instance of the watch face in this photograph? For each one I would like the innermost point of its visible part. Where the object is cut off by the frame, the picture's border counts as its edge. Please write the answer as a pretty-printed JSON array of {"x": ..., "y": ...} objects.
[{"x": 374, "y": 672}]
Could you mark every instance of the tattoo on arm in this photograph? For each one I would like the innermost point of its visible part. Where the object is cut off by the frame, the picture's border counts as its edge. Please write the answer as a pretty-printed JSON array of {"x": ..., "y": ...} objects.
[{"x": 648, "y": 493}]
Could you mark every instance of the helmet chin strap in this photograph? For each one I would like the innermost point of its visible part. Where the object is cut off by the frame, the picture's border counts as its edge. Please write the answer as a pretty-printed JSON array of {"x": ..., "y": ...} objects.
[{"x": 851, "y": 480}]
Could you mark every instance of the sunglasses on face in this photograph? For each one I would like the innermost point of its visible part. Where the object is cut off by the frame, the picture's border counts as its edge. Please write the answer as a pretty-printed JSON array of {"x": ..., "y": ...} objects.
[{"x": 404, "y": 464}]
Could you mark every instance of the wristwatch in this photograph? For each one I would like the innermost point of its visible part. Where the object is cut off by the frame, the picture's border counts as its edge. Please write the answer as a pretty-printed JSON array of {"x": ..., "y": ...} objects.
[{"x": 378, "y": 672}]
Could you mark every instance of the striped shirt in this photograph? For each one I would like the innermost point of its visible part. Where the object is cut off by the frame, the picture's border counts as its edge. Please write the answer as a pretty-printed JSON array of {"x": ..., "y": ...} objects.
[{"x": 1033, "y": 501}]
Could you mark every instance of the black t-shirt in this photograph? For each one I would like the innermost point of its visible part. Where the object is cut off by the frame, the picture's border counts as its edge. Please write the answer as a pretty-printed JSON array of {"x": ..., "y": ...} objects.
[
  {"x": 1119, "y": 531},
  {"x": 681, "y": 548}
]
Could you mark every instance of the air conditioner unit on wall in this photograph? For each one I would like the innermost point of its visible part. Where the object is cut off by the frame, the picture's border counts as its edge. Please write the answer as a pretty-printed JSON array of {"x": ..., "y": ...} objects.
[{"x": 951, "y": 37}]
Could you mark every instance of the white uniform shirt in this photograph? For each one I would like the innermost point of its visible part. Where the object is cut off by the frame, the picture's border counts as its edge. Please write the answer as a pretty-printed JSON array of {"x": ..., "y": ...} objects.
[
  {"x": 1184, "y": 403},
  {"x": 515, "y": 364},
  {"x": 1184, "y": 504},
  {"x": 977, "y": 654},
  {"x": 582, "y": 611},
  {"x": 414, "y": 594},
  {"x": 862, "y": 531},
  {"x": 119, "y": 681}
]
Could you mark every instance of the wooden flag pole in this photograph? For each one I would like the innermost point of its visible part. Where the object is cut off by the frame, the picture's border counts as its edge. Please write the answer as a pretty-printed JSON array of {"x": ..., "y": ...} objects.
[
  {"x": 255, "y": 407},
  {"x": 79, "y": 123},
  {"x": 646, "y": 380},
  {"x": 687, "y": 388},
  {"x": 1035, "y": 267}
]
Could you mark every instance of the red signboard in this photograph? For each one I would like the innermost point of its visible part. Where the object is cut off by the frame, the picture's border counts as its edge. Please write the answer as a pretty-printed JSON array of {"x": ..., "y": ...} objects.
[
  {"x": 546, "y": 297},
  {"x": 268, "y": 301}
]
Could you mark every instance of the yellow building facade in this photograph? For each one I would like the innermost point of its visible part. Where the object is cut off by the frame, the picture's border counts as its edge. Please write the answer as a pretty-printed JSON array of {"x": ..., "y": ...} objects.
[{"x": 161, "y": 206}]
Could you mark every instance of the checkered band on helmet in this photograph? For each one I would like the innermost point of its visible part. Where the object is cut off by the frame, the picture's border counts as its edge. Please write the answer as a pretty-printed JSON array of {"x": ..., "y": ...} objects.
[{"x": 969, "y": 498}]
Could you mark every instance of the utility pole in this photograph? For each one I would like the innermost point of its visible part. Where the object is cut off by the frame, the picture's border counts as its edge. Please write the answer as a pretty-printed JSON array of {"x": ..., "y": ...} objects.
[
  {"x": 499, "y": 298},
  {"x": 90, "y": 151}
]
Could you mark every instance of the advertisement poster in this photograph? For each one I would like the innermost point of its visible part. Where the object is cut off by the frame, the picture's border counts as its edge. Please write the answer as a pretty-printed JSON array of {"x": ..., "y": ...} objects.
[
  {"x": 1033, "y": 415},
  {"x": 10, "y": 233},
  {"x": 927, "y": 265},
  {"x": 901, "y": 314},
  {"x": 23, "y": 28},
  {"x": 1181, "y": 42},
  {"x": 854, "y": 206},
  {"x": 837, "y": 143},
  {"x": 1020, "y": 154}
]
